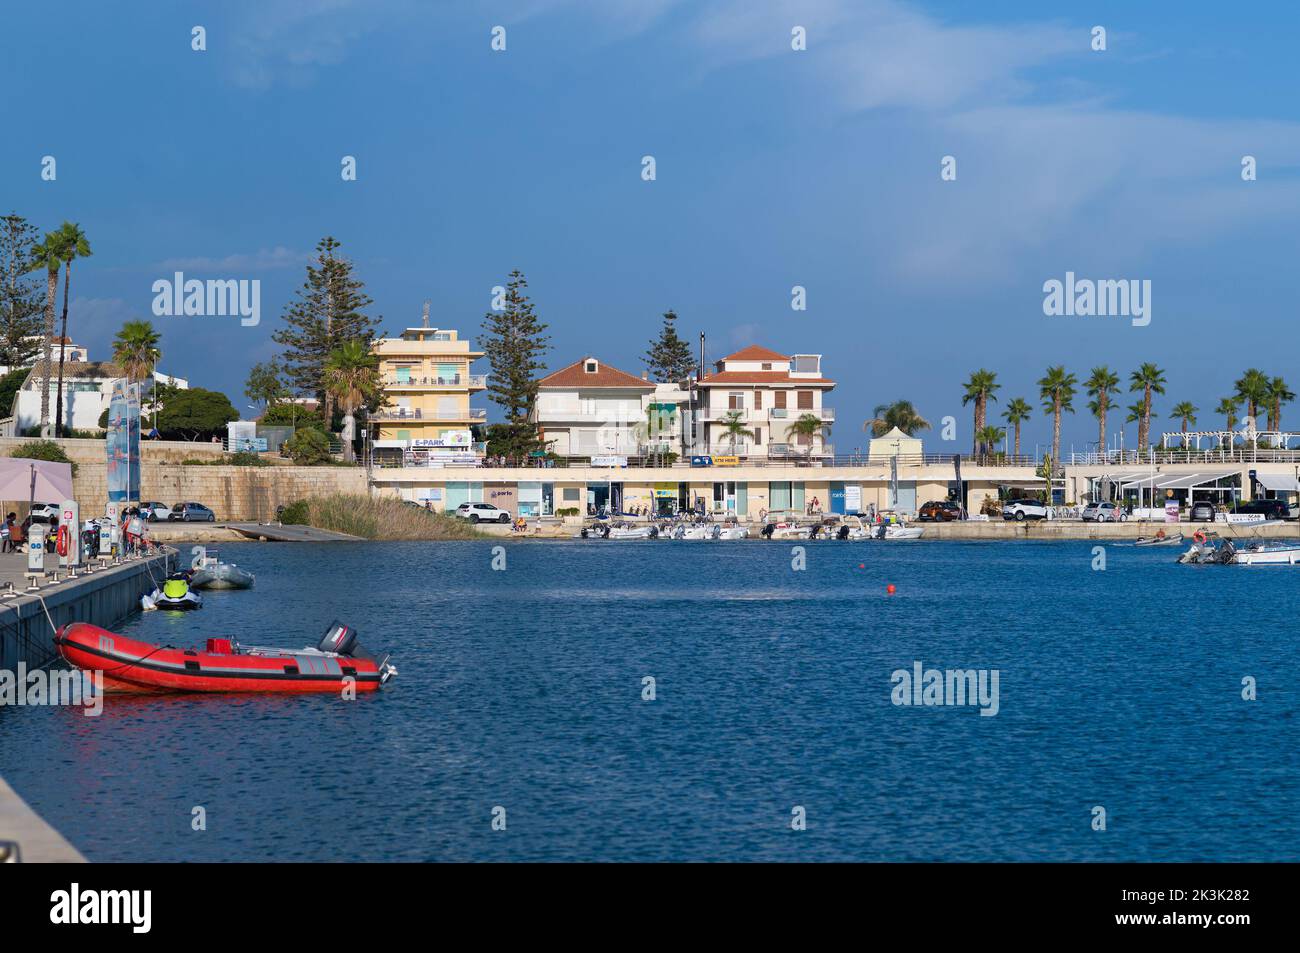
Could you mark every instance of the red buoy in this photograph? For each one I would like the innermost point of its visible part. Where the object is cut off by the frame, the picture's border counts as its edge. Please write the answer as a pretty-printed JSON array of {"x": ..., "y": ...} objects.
[{"x": 890, "y": 589}]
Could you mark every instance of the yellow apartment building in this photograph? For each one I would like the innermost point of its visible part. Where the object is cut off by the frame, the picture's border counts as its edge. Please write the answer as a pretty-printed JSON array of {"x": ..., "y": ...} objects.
[{"x": 428, "y": 385}]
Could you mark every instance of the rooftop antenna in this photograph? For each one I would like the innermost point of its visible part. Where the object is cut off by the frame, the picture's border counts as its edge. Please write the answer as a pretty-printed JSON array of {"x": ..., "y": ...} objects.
[{"x": 426, "y": 312}]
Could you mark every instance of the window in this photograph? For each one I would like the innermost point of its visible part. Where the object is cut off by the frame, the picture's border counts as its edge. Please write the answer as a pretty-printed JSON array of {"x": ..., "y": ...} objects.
[
  {"x": 735, "y": 401},
  {"x": 758, "y": 437},
  {"x": 758, "y": 400},
  {"x": 767, "y": 366},
  {"x": 779, "y": 397},
  {"x": 591, "y": 367},
  {"x": 805, "y": 400}
]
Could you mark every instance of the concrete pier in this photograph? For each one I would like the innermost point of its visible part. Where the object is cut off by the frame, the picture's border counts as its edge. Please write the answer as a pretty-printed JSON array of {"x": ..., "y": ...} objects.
[{"x": 102, "y": 597}]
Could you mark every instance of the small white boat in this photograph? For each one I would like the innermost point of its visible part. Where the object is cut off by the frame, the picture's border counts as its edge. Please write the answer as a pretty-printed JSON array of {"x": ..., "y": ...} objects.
[
  {"x": 900, "y": 531},
  {"x": 732, "y": 531},
  {"x": 1286, "y": 554},
  {"x": 628, "y": 531},
  {"x": 696, "y": 531},
  {"x": 786, "y": 530}
]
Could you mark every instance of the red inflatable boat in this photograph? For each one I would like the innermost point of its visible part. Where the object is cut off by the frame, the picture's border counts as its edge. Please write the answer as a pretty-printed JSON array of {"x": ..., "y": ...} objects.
[{"x": 225, "y": 666}]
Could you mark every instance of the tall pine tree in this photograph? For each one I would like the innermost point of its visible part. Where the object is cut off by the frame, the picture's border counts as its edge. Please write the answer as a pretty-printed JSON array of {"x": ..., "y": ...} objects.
[
  {"x": 514, "y": 340},
  {"x": 21, "y": 294},
  {"x": 669, "y": 358},
  {"x": 329, "y": 310}
]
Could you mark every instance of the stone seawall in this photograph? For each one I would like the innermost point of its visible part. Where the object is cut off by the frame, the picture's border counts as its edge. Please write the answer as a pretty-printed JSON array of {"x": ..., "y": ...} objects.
[{"x": 233, "y": 493}]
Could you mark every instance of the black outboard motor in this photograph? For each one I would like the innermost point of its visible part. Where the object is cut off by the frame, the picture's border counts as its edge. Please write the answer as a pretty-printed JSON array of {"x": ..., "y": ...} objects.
[
  {"x": 654, "y": 531},
  {"x": 585, "y": 532},
  {"x": 339, "y": 638},
  {"x": 843, "y": 533},
  {"x": 768, "y": 530}
]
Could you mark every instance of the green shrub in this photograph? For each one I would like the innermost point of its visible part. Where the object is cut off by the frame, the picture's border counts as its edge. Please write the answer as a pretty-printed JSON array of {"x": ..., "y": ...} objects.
[
  {"x": 43, "y": 450},
  {"x": 567, "y": 511},
  {"x": 297, "y": 512},
  {"x": 308, "y": 447},
  {"x": 247, "y": 458}
]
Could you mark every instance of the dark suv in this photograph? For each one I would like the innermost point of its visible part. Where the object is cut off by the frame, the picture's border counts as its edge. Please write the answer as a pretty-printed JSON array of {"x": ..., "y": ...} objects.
[
  {"x": 940, "y": 510},
  {"x": 1269, "y": 509}
]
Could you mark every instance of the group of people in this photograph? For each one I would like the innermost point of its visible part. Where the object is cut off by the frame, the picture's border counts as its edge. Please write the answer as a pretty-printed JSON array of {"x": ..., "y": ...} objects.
[{"x": 133, "y": 532}]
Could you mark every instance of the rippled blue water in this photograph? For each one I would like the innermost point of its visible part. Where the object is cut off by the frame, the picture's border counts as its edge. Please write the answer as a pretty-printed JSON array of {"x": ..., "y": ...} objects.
[{"x": 522, "y": 689}]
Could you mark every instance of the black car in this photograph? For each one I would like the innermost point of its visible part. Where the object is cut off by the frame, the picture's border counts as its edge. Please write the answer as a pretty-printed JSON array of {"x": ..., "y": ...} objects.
[
  {"x": 1269, "y": 509},
  {"x": 1202, "y": 511}
]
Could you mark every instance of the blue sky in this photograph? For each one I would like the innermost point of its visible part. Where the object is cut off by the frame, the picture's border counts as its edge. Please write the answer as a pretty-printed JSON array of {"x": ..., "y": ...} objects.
[{"x": 775, "y": 168}]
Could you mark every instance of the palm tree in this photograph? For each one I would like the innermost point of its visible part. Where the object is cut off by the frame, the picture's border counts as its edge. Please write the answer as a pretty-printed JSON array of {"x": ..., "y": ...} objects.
[
  {"x": 1228, "y": 407},
  {"x": 1278, "y": 394},
  {"x": 47, "y": 255},
  {"x": 980, "y": 389},
  {"x": 900, "y": 414},
  {"x": 734, "y": 428},
  {"x": 808, "y": 425},
  {"x": 1100, "y": 384},
  {"x": 73, "y": 245},
  {"x": 989, "y": 437},
  {"x": 1017, "y": 412},
  {"x": 351, "y": 378},
  {"x": 1150, "y": 380},
  {"x": 135, "y": 350},
  {"x": 1252, "y": 387},
  {"x": 1185, "y": 411},
  {"x": 1057, "y": 391}
]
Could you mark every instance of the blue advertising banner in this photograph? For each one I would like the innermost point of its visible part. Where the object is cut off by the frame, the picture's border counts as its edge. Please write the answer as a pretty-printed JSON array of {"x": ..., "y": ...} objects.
[{"x": 122, "y": 443}]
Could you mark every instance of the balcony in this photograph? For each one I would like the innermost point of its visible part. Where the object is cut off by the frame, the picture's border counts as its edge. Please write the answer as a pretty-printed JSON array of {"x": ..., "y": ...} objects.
[
  {"x": 418, "y": 413},
  {"x": 471, "y": 381},
  {"x": 794, "y": 413}
]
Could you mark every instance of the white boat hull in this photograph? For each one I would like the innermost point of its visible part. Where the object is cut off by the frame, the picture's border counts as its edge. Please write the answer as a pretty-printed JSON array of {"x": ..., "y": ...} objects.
[{"x": 1280, "y": 556}]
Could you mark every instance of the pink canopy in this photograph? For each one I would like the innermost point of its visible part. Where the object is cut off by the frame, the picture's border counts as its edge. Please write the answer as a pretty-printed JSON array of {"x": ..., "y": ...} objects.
[{"x": 53, "y": 480}]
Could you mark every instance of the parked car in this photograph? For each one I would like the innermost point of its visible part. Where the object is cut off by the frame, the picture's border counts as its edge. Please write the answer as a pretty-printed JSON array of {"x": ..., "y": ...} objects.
[
  {"x": 155, "y": 511},
  {"x": 45, "y": 512},
  {"x": 1269, "y": 509},
  {"x": 1102, "y": 512},
  {"x": 482, "y": 513},
  {"x": 1202, "y": 511},
  {"x": 192, "y": 513},
  {"x": 1024, "y": 509},
  {"x": 940, "y": 510}
]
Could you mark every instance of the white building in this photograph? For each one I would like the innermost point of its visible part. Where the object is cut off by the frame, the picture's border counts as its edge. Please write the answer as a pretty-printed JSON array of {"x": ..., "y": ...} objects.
[
  {"x": 764, "y": 393},
  {"x": 591, "y": 409},
  {"x": 87, "y": 390}
]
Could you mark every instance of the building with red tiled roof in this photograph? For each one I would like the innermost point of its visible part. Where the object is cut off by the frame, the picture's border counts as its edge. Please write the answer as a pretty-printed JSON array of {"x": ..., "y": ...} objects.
[
  {"x": 591, "y": 409},
  {"x": 752, "y": 399}
]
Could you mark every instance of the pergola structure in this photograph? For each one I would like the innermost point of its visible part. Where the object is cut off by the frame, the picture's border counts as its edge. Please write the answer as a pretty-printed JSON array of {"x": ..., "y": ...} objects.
[{"x": 1279, "y": 439}]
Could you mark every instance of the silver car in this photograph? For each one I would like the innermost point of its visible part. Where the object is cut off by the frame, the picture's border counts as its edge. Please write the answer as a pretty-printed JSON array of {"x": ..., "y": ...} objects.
[{"x": 1105, "y": 512}]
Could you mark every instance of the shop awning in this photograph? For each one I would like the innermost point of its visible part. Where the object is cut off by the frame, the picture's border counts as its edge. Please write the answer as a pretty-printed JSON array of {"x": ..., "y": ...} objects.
[
  {"x": 1179, "y": 481},
  {"x": 1189, "y": 480},
  {"x": 1278, "y": 481}
]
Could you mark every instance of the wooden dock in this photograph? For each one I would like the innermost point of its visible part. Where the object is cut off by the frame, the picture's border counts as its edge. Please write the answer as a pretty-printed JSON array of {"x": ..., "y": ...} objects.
[{"x": 290, "y": 533}]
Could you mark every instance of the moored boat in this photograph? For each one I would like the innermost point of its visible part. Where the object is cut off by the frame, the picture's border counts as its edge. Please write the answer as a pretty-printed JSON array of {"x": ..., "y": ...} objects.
[
  {"x": 131, "y": 665},
  {"x": 1285, "y": 554},
  {"x": 214, "y": 574},
  {"x": 175, "y": 593}
]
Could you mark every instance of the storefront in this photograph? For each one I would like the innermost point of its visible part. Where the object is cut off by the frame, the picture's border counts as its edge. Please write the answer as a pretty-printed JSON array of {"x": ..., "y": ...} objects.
[{"x": 536, "y": 499}]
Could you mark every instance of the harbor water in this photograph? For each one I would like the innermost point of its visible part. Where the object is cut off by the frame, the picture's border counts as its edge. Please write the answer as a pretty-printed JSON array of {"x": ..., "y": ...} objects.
[{"x": 522, "y": 696}]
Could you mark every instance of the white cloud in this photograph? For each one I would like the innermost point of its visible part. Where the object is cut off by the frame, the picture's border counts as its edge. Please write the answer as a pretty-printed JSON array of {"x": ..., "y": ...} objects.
[{"x": 265, "y": 259}]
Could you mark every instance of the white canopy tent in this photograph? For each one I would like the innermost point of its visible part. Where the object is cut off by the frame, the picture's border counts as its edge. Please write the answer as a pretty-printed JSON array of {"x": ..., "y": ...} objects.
[{"x": 1278, "y": 482}]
